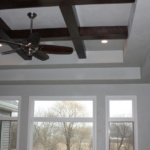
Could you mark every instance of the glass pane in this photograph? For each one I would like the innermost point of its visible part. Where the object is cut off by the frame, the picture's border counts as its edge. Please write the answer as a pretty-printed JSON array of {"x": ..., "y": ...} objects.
[
  {"x": 63, "y": 109},
  {"x": 9, "y": 108},
  {"x": 62, "y": 136},
  {"x": 8, "y": 135},
  {"x": 120, "y": 108},
  {"x": 121, "y": 136}
]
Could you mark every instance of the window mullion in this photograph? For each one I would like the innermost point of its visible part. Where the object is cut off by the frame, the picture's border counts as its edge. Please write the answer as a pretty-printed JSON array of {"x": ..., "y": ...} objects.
[
  {"x": 120, "y": 119},
  {"x": 45, "y": 119},
  {"x": 8, "y": 118},
  {"x": 118, "y": 124}
]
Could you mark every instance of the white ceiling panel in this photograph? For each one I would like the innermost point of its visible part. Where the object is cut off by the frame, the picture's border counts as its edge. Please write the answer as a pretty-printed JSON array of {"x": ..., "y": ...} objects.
[
  {"x": 47, "y": 17},
  {"x": 103, "y": 15},
  {"x": 59, "y": 43},
  {"x": 96, "y": 45}
]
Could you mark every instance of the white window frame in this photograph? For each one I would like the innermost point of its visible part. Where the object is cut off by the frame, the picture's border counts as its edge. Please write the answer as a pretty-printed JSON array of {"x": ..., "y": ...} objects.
[
  {"x": 61, "y": 98},
  {"x": 120, "y": 119},
  {"x": 7, "y": 118}
]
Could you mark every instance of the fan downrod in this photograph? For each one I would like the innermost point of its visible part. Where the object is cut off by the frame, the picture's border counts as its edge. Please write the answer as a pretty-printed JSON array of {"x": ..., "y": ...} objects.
[{"x": 31, "y": 15}]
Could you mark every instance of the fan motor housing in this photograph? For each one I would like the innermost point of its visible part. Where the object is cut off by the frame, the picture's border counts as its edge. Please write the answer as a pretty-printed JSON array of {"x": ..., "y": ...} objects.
[{"x": 29, "y": 48}]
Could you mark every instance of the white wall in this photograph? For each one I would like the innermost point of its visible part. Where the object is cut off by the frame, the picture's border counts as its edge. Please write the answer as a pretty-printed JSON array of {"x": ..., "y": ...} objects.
[{"x": 100, "y": 91}]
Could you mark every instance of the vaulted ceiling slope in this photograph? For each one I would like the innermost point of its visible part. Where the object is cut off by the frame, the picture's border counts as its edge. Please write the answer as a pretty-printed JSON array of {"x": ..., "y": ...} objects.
[{"x": 82, "y": 25}]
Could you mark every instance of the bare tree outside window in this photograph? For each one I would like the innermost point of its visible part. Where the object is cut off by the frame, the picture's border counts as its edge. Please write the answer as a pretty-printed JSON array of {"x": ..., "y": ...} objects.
[
  {"x": 13, "y": 135},
  {"x": 121, "y": 136},
  {"x": 63, "y": 135},
  {"x": 44, "y": 136}
]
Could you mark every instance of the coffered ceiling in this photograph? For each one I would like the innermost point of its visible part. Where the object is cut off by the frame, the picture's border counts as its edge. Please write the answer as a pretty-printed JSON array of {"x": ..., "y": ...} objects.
[{"x": 81, "y": 25}]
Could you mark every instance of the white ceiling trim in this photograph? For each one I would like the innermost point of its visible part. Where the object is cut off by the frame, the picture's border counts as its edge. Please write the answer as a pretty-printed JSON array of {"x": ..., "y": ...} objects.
[
  {"x": 71, "y": 74},
  {"x": 93, "y": 57}
]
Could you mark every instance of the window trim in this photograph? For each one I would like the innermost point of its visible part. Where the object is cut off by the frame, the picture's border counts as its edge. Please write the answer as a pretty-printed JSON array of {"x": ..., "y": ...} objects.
[
  {"x": 48, "y": 119},
  {"x": 6, "y": 118},
  {"x": 128, "y": 119}
]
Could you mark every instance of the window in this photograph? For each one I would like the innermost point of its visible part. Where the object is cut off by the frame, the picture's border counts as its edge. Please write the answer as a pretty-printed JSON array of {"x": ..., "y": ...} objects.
[
  {"x": 63, "y": 123},
  {"x": 121, "y": 123},
  {"x": 9, "y": 109}
]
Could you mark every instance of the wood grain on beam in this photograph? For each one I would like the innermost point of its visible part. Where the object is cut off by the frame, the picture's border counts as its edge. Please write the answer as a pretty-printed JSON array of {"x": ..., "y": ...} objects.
[
  {"x": 13, "y": 4},
  {"x": 45, "y": 33},
  {"x": 9, "y": 4},
  {"x": 86, "y": 2},
  {"x": 5, "y": 29},
  {"x": 113, "y": 32},
  {"x": 71, "y": 21}
]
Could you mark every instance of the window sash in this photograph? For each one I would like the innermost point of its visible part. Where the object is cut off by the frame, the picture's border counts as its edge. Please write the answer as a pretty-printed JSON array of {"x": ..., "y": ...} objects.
[
  {"x": 109, "y": 140},
  {"x": 119, "y": 98},
  {"x": 45, "y": 119},
  {"x": 121, "y": 119},
  {"x": 61, "y": 98},
  {"x": 8, "y": 118}
]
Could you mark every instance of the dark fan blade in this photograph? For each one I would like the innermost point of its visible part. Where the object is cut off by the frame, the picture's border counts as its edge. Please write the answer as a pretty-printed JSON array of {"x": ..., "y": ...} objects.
[
  {"x": 52, "y": 49},
  {"x": 10, "y": 52},
  {"x": 41, "y": 55},
  {"x": 10, "y": 42},
  {"x": 34, "y": 38}
]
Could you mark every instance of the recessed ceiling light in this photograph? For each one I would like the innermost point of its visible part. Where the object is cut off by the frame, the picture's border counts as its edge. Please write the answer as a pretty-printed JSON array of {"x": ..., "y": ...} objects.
[
  {"x": 104, "y": 41},
  {"x": 0, "y": 45}
]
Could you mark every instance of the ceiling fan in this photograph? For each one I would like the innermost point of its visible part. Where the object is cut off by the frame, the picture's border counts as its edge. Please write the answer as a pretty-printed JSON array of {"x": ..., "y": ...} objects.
[{"x": 31, "y": 46}]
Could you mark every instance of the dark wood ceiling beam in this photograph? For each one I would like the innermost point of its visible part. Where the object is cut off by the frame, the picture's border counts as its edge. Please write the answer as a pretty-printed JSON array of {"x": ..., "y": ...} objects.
[
  {"x": 85, "y": 31},
  {"x": 4, "y": 26},
  {"x": 69, "y": 14},
  {"x": 113, "y": 32},
  {"x": 11, "y": 4},
  {"x": 45, "y": 33},
  {"x": 83, "y": 2},
  {"x": 4, "y": 30}
]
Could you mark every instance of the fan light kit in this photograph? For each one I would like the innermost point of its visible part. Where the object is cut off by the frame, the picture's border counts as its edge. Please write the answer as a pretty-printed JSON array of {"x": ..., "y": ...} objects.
[
  {"x": 104, "y": 41},
  {"x": 31, "y": 46}
]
